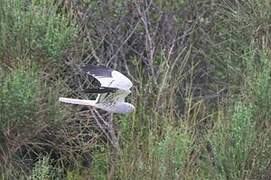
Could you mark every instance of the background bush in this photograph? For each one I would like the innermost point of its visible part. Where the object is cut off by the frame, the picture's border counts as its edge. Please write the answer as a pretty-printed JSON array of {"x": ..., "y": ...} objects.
[{"x": 201, "y": 74}]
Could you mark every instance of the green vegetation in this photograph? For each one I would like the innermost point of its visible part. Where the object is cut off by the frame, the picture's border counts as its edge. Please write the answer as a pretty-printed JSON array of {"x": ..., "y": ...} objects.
[
  {"x": 42, "y": 169},
  {"x": 33, "y": 28},
  {"x": 202, "y": 89}
]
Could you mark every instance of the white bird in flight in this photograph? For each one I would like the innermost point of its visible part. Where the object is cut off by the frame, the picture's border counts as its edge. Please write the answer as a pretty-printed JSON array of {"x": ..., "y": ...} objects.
[{"x": 113, "y": 90}]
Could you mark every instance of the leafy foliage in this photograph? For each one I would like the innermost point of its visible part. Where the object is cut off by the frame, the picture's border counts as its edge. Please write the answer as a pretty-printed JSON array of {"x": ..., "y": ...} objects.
[
  {"x": 18, "y": 94},
  {"x": 202, "y": 90},
  {"x": 42, "y": 169},
  {"x": 34, "y": 28}
]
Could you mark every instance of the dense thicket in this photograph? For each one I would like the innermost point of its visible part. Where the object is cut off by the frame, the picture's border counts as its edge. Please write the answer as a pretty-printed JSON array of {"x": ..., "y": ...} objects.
[{"x": 201, "y": 72}]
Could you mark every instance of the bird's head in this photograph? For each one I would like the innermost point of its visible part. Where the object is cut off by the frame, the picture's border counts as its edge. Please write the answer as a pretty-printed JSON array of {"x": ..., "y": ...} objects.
[{"x": 123, "y": 107}]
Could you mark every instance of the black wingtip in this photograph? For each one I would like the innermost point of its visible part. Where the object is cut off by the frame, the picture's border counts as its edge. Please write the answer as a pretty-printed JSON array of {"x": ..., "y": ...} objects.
[{"x": 100, "y": 90}]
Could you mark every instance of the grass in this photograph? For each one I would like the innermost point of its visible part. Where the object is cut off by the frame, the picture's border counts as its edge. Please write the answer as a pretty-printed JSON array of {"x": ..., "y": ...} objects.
[{"x": 202, "y": 97}]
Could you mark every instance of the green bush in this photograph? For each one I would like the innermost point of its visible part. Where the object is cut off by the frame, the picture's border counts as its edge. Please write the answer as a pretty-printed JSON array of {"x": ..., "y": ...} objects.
[
  {"x": 235, "y": 141},
  {"x": 202, "y": 88},
  {"x": 171, "y": 152},
  {"x": 232, "y": 143},
  {"x": 19, "y": 92},
  {"x": 34, "y": 29},
  {"x": 42, "y": 170},
  {"x": 26, "y": 98}
]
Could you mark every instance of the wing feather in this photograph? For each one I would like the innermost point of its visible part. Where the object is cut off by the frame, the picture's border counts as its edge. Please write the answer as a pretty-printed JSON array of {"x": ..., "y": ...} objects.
[
  {"x": 118, "y": 96},
  {"x": 108, "y": 77}
]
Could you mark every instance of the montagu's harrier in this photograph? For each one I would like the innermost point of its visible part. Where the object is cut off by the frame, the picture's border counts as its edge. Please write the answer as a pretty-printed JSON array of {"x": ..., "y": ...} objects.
[{"x": 114, "y": 87}]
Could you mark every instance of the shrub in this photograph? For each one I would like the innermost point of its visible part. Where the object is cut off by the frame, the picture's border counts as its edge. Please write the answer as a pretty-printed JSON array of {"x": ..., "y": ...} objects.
[
  {"x": 42, "y": 169},
  {"x": 34, "y": 29},
  {"x": 19, "y": 92}
]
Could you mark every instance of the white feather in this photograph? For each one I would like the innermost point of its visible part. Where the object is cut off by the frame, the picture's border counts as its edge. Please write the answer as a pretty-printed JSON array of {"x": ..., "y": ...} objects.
[
  {"x": 117, "y": 80},
  {"x": 77, "y": 101},
  {"x": 113, "y": 101},
  {"x": 120, "y": 81}
]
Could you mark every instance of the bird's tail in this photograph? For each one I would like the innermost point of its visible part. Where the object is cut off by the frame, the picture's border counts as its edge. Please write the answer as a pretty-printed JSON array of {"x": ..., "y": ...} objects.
[{"x": 78, "y": 101}]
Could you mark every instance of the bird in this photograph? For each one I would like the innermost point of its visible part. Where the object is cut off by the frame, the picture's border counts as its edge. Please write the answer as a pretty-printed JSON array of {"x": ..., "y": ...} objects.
[{"x": 113, "y": 88}]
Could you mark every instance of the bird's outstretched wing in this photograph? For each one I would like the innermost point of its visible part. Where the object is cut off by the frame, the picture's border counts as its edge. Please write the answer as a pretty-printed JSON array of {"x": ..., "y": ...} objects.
[
  {"x": 112, "y": 90},
  {"x": 108, "y": 77}
]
